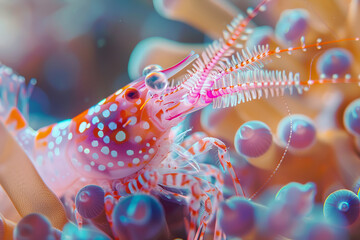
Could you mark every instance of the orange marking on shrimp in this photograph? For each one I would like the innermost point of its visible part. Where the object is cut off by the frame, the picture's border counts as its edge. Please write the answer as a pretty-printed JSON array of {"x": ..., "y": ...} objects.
[
  {"x": 16, "y": 117},
  {"x": 170, "y": 108},
  {"x": 208, "y": 205},
  {"x": 173, "y": 177},
  {"x": 223, "y": 147},
  {"x": 81, "y": 138},
  {"x": 191, "y": 150},
  {"x": 228, "y": 164},
  {"x": 127, "y": 123},
  {"x": 195, "y": 192},
  {"x": 80, "y": 118},
  {"x": 142, "y": 106},
  {"x": 203, "y": 147},
  {"x": 43, "y": 133},
  {"x": 127, "y": 189},
  {"x": 40, "y": 144},
  {"x": 184, "y": 180}
]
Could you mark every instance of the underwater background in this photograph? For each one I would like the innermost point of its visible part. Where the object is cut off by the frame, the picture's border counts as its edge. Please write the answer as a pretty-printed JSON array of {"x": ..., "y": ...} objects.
[{"x": 297, "y": 157}]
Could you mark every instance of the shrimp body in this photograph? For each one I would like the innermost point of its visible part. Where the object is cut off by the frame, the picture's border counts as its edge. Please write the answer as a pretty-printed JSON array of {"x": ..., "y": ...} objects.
[{"x": 111, "y": 140}]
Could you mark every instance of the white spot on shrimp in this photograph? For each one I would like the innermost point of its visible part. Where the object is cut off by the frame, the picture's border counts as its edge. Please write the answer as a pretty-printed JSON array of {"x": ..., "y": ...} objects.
[
  {"x": 133, "y": 121},
  {"x": 105, "y": 150},
  {"x": 112, "y": 126},
  {"x": 120, "y": 163},
  {"x": 80, "y": 148},
  {"x": 97, "y": 108},
  {"x": 55, "y": 132},
  {"x": 57, "y": 151},
  {"x": 146, "y": 125},
  {"x": 95, "y": 156},
  {"x": 92, "y": 163},
  {"x": 138, "y": 139},
  {"x": 101, "y": 167},
  {"x": 136, "y": 161},
  {"x": 100, "y": 126},
  {"x": 119, "y": 91},
  {"x": 120, "y": 136},
  {"x": 106, "y": 113},
  {"x": 95, "y": 120},
  {"x": 64, "y": 124},
  {"x": 87, "y": 168},
  {"x": 51, "y": 145},
  {"x": 114, "y": 153},
  {"x": 113, "y": 107},
  {"x": 106, "y": 139},
  {"x": 70, "y": 135},
  {"x": 151, "y": 150},
  {"x": 39, "y": 160},
  {"x": 110, "y": 164},
  {"x": 133, "y": 110},
  {"x": 148, "y": 144},
  {"x": 94, "y": 143},
  {"x": 146, "y": 157},
  {"x": 76, "y": 162},
  {"x": 130, "y": 152},
  {"x": 102, "y": 101},
  {"x": 100, "y": 134},
  {"x": 91, "y": 111},
  {"x": 82, "y": 127},
  {"x": 138, "y": 102},
  {"x": 86, "y": 151},
  {"x": 58, "y": 140}
]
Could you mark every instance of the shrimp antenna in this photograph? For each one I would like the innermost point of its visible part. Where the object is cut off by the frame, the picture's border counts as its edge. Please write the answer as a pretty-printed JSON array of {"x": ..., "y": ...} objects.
[{"x": 282, "y": 157}]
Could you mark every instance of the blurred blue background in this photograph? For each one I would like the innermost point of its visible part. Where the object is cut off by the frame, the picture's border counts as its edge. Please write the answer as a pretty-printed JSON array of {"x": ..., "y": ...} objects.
[{"x": 77, "y": 51}]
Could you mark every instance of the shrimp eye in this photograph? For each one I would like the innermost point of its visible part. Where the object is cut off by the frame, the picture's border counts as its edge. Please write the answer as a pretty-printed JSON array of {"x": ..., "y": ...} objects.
[
  {"x": 156, "y": 82},
  {"x": 131, "y": 94},
  {"x": 151, "y": 68}
]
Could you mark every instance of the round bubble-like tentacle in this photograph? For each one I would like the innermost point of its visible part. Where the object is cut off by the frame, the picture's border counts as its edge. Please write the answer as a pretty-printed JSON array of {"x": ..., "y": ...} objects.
[
  {"x": 71, "y": 231},
  {"x": 342, "y": 207},
  {"x": 90, "y": 201},
  {"x": 139, "y": 216},
  {"x": 303, "y": 131},
  {"x": 292, "y": 25},
  {"x": 299, "y": 196},
  {"x": 33, "y": 227},
  {"x": 352, "y": 118},
  {"x": 253, "y": 139},
  {"x": 335, "y": 61},
  {"x": 236, "y": 217}
]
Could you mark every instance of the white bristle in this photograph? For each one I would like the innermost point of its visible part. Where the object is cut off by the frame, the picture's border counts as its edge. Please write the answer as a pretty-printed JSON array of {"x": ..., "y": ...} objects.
[{"x": 249, "y": 85}]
